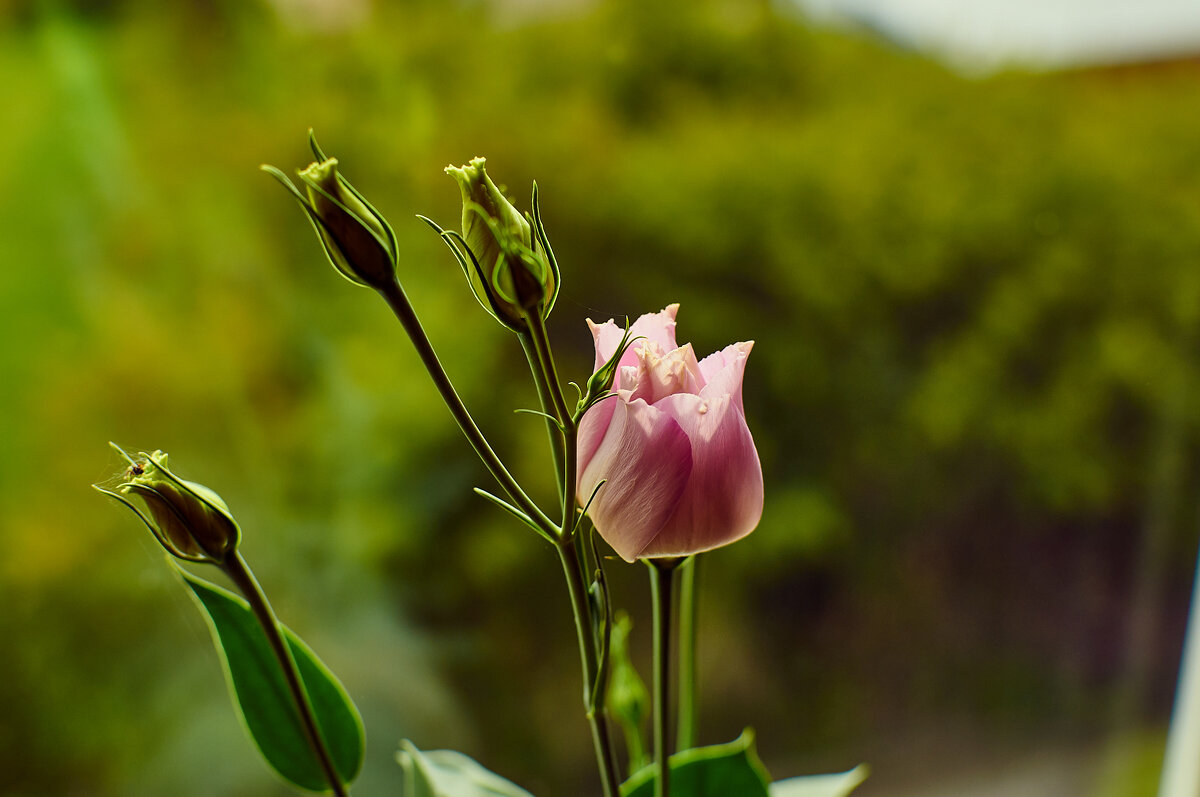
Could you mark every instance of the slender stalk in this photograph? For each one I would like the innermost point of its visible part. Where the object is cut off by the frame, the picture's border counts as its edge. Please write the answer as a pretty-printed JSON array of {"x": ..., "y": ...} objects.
[
  {"x": 569, "y": 476},
  {"x": 395, "y": 297},
  {"x": 543, "y": 391},
  {"x": 662, "y": 573},
  {"x": 541, "y": 344},
  {"x": 689, "y": 713},
  {"x": 239, "y": 572},
  {"x": 564, "y": 440},
  {"x": 597, "y": 714}
]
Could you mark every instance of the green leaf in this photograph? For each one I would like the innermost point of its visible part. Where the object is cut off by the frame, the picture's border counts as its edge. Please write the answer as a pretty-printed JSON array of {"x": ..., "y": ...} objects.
[
  {"x": 628, "y": 700},
  {"x": 261, "y": 695},
  {"x": 724, "y": 770},
  {"x": 836, "y": 785},
  {"x": 445, "y": 773}
]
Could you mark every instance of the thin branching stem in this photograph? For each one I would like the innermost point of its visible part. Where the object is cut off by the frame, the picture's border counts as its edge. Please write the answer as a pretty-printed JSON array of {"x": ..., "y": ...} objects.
[
  {"x": 240, "y": 574},
  {"x": 553, "y": 429},
  {"x": 395, "y": 297},
  {"x": 597, "y": 714},
  {"x": 541, "y": 344}
]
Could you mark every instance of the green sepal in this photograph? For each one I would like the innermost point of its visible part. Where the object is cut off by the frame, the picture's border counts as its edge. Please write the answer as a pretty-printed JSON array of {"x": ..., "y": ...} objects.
[
  {"x": 539, "y": 232},
  {"x": 836, "y": 785},
  {"x": 318, "y": 153},
  {"x": 599, "y": 384},
  {"x": 446, "y": 773},
  {"x": 476, "y": 280},
  {"x": 387, "y": 241},
  {"x": 263, "y": 701},
  {"x": 321, "y": 228},
  {"x": 723, "y": 770},
  {"x": 502, "y": 269}
]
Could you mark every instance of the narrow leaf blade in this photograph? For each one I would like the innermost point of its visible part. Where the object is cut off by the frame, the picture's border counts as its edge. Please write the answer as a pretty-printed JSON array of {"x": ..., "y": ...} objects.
[
  {"x": 837, "y": 785},
  {"x": 446, "y": 773},
  {"x": 260, "y": 693}
]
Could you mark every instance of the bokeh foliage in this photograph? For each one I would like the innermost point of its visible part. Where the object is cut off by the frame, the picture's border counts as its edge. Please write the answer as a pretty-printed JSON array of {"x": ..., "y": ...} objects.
[{"x": 976, "y": 311}]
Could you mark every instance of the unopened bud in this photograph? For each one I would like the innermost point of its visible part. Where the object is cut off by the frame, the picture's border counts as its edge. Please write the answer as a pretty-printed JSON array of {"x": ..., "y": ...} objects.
[
  {"x": 357, "y": 239},
  {"x": 191, "y": 521},
  {"x": 509, "y": 257}
]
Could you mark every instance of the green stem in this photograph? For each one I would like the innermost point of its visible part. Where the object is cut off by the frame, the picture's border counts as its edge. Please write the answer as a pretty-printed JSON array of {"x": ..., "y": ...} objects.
[
  {"x": 597, "y": 714},
  {"x": 395, "y": 297},
  {"x": 569, "y": 477},
  {"x": 546, "y": 376},
  {"x": 689, "y": 716},
  {"x": 662, "y": 573},
  {"x": 594, "y": 661},
  {"x": 543, "y": 391},
  {"x": 541, "y": 344},
  {"x": 239, "y": 572}
]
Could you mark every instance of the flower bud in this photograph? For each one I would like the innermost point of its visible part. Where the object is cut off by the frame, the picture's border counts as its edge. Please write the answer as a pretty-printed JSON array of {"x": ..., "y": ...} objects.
[
  {"x": 508, "y": 258},
  {"x": 357, "y": 239},
  {"x": 188, "y": 519}
]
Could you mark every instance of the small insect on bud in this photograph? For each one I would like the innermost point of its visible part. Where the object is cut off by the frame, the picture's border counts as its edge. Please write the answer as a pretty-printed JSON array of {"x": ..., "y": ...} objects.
[
  {"x": 356, "y": 237},
  {"x": 188, "y": 519}
]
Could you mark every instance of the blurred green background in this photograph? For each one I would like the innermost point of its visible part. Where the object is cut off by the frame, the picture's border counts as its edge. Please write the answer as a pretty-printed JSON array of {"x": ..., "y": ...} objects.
[{"x": 976, "y": 304}]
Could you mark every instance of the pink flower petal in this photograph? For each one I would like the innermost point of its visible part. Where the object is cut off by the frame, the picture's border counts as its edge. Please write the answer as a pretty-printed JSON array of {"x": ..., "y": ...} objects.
[
  {"x": 646, "y": 459},
  {"x": 592, "y": 428},
  {"x": 723, "y": 499},
  {"x": 653, "y": 327},
  {"x": 723, "y": 372},
  {"x": 659, "y": 375}
]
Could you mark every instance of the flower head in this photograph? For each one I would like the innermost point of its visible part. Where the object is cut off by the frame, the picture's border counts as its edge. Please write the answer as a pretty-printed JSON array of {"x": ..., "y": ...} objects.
[
  {"x": 188, "y": 519},
  {"x": 669, "y": 457}
]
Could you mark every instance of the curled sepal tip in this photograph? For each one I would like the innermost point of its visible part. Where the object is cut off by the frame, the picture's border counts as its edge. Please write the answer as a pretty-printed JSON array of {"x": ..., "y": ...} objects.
[{"x": 188, "y": 519}]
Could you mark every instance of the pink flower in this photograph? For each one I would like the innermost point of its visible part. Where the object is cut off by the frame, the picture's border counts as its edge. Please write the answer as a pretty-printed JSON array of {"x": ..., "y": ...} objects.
[{"x": 680, "y": 471}]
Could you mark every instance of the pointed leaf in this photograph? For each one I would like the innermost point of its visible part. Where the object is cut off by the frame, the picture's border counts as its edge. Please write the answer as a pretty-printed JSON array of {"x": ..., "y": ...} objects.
[
  {"x": 260, "y": 693},
  {"x": 445, "y": 773},
  {"x": 723, "y": 770},
  {"x": 836, "y": 785}
]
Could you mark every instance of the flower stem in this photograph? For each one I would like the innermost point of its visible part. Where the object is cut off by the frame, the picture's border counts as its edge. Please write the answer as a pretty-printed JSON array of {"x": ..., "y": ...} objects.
[
  {"x": 597, "y": 714},
  {"x": 395, "y": 297},
  {"x": 689, "y": 715},
  {"x": 543, "y": 391},
  {"x": 541, "y": 344},
  {"x": 239, "y": 572},
  {"x": 589, "y": 628},
  {"x": 662, "y": 573}
]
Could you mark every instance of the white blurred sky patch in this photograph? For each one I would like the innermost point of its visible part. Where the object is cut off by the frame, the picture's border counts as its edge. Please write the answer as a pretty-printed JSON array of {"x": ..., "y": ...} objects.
[{"x": 984, "y": 35}]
